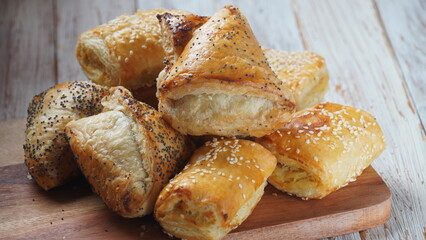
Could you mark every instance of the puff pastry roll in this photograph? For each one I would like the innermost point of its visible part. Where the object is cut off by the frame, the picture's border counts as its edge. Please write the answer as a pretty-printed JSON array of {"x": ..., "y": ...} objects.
[
  {"x": 222, "y": 83},
  {"x": 322, "y": 149},
  {"x": 217, "y": 190},
  {"x": 127, "y": 153},
  {"x": 48, "y": 156},
  {"x": 126, "y": 51},
  {"x": 304, "y": 73}
]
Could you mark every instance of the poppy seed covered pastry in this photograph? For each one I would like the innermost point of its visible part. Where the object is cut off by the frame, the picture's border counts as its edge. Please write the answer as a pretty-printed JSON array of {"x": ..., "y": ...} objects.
[
  {"x": 47, "y": 153},
  {"x": 126, "y": 51},
  {"x": 177, "y": 30},
  {"x": 322, "y": 149},
  {"x": 304, "y": 73},
  {"x": 218, "y": 189},
  {"x": 128, "y": 153},
  {"x": 222, "y": 84}
]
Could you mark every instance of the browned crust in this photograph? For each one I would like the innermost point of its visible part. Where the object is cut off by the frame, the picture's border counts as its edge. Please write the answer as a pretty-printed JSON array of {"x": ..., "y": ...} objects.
[
  {"x": 48, "y": 156},
  {"x": 332, "y": 142},
  {"x": 181, "y": 27},
  {"x": 167, "y": 152},
  {"x": 204, "y": 184},
  {"x": 225, "y": 52}
]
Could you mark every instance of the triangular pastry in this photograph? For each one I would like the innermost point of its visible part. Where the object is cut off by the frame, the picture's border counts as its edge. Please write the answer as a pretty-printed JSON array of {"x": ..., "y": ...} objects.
[
  {"x": 304, "y": 73},
  {"x": 222, "y": 84},
  {"x": 176, "y": 32}
]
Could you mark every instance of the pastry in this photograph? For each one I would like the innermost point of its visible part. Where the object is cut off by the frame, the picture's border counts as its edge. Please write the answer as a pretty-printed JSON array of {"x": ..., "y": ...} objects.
[
  {"x": 127, "y": 153},
  {"x": 222, "y": 84},
  {"x": 217, "y": 190},
  {"x": 47, "y": 153},
  {"x": 322, "y": 149},
  {"x": 176, "y": 31},
  {"x": 127, "y": 51},
  {"x": 304, "y": 73}
]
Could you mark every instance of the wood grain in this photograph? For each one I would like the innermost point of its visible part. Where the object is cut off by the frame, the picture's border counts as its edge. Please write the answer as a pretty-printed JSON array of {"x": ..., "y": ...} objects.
[
  {"x": 405, "y": 25},
  {"x": 75, "y": 17},
  {"x": 364, "y": 74},
  {"x": 273, "y": 23},
  {"x": 73, "y": 212},
  {"x": 12, "y": 135},
  {"x": 27, "y": 45},
  {"x": 27, "y": 54}
]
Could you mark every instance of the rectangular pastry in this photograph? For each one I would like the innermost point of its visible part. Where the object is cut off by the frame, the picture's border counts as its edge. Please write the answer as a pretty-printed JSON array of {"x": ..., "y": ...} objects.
[
  {"x": 322, "y": 149},
  {"x": 217, "y": 190},
  {"x": 126, "y": 51},
  {"x": 304, "y": 73}
]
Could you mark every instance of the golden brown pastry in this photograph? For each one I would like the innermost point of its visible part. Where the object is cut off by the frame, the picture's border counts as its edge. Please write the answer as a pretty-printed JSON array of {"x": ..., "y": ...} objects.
[
  {"x": 128, "y": 153},
  {"x": 47, "y": 153},
  {"x": 322, "y": 149},
  {"x": 304, "y": 73},
  {"x": 217, "y": 190},
  {"x": 127, "y": 51},
  {"x": 222, "y": 84},
  {"x": 176, "y": 31}
]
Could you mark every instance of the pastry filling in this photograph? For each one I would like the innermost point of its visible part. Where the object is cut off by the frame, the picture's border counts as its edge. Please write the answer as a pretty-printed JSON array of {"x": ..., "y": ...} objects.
[
  {"x": 222, "y": 111},
  {"x": 203, "y": 216},
  {"x": 295, "y": 180},
  {"x": 92, "y": 64},
  {"x": 184, "y": 218},
  {"x": 92, "y": 61}
]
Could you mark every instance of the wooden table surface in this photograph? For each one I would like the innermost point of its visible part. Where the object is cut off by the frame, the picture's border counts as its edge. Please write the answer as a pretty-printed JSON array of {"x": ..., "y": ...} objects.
[{"x": 375, "y": 51}]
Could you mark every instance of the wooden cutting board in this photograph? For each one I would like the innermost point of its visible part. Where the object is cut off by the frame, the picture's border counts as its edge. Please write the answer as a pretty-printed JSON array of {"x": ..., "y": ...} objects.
[{"x": 73, "y": 211}]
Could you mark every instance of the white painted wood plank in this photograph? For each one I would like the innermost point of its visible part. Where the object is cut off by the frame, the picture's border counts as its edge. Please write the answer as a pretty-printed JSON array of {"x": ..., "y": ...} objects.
[
  {"x": 75, "y": 17},
  {"x": 365, "y": 74},
  {"x": 350, "y": 236},
  {"x": 405, "y": 24},
  {"x": 26, "y": 53},
  {"x": 273, "y": 23}
]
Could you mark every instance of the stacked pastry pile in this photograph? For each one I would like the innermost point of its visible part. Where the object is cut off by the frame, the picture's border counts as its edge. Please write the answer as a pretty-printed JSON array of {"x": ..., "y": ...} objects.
[{"x": 217, "y": 82}]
